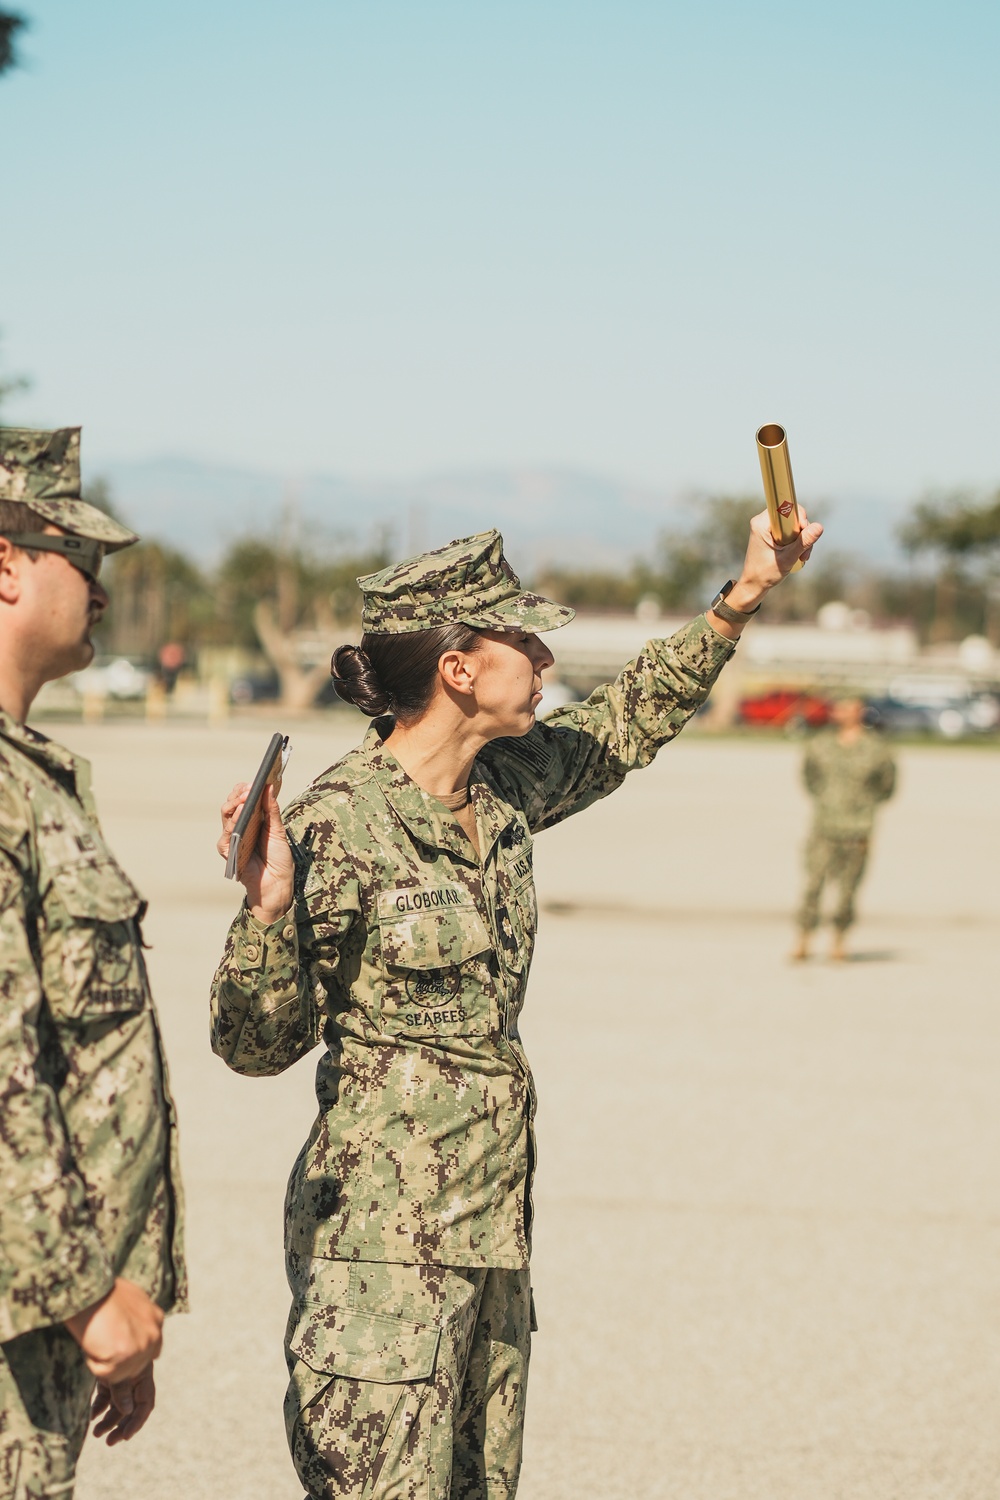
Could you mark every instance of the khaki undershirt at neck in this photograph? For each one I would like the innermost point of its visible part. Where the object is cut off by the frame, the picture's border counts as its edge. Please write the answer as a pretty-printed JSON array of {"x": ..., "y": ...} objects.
[{"x": 459, "y": 804}]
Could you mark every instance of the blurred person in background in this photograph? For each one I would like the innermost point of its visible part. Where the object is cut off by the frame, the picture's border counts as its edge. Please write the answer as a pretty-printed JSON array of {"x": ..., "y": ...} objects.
[
  {"x": 90, "y": 1215},
  {"x": 394, "y": 924},
  {"x": 171, "y": 659},
  {"x": 848, "y": 770}
]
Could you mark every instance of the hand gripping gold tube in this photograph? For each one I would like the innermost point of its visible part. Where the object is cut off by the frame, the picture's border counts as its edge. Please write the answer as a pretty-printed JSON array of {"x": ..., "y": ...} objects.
[{"x": 779, "y": 486}]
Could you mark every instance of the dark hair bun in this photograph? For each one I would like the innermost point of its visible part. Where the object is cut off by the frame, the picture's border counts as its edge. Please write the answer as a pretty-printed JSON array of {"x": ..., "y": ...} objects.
[{"x": 355, "y": 681}]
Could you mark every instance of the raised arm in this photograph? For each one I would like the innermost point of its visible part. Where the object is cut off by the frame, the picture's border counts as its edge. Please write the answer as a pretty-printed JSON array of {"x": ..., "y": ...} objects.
[{"x": 584, "y": 751}]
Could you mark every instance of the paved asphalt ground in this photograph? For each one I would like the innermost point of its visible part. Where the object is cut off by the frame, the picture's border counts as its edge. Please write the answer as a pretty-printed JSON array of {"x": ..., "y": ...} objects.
[{"x": 767, "y": 1258}]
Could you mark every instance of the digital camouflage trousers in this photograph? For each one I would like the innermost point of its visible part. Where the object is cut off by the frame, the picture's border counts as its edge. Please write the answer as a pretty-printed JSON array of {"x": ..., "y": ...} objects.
[
  {"x": 407, "y": 1382},
  {"x": 841, "y": 861},
  {"x": 45, "y": 1394}
]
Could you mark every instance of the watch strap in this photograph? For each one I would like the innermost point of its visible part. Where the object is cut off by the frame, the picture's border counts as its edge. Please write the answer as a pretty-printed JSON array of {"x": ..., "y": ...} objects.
[{"x": 726, "y": 612}]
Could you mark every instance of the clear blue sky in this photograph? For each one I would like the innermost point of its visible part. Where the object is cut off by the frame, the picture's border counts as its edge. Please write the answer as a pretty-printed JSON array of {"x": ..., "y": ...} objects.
[{"x": 379, "y": 237}]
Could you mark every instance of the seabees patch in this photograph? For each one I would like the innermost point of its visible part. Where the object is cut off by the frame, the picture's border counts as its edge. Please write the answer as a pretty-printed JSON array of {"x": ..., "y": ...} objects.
[{"x": 431, "y": 936}]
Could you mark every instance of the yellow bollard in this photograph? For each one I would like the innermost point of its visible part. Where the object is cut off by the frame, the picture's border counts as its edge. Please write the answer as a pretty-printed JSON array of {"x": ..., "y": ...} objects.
[
  {"x": 218, "y": 700},
  {"x": 156, "y": 700}
]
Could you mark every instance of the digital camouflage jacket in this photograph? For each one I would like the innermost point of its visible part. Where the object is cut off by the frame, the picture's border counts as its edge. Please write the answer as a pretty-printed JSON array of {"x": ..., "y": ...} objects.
[
  {"x": 89, "y": 1185},
  {"x": 409, "y": 956},
  {"x": 848, "y": 782}
]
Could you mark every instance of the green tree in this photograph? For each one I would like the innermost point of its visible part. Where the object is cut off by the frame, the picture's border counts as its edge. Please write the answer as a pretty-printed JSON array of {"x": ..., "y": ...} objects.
[
  {"x": 963, "y": 534},
  {"x": 678, "y": 571},
  {"x": 685, "y": 564},
  {"x": 954, "y": 525},
  {"x": 157, "y": 594},
  {"x": 590, "y": 589},
  {"x": 10, "y": 25},
  {"x": 684, "y": 569},
  {"x": 297, "y": 605}
]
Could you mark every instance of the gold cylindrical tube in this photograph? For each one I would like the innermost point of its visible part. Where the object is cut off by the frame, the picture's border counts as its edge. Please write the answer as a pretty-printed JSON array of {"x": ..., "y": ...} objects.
[{"x": 779, "y": 486}]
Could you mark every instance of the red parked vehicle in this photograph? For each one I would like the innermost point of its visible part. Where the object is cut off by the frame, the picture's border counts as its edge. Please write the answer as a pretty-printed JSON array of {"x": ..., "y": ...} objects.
[{"x": 783, "y": 707}]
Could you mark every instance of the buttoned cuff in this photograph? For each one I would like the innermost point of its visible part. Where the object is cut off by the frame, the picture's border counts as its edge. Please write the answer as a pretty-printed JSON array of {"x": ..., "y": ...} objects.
[
  {"x": 706, "y": 635},
  {"x": 257, "y": 946},
  {"x": 700, "y": 649}
]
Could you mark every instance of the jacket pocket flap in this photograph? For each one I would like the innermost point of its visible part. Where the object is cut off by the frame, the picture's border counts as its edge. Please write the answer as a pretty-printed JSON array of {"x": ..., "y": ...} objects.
[
  {"x": 365, "y": 1346},
  {"x": 430, "y": 929},
  {"x": 96, "y": 891}
]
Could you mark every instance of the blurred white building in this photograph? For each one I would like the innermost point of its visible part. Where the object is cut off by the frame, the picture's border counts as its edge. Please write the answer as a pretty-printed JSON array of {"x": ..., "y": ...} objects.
[{"x": 841, "y": 648}]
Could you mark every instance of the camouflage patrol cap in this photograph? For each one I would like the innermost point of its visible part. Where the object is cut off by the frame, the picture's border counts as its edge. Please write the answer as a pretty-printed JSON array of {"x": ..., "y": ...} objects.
[
  {"x": 469, "y": 582},
  {"x": 42, "y": 470}
]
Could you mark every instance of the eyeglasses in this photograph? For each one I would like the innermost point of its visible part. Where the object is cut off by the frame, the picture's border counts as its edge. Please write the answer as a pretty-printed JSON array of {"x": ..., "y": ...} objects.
[{"x": 83, "y": 552}]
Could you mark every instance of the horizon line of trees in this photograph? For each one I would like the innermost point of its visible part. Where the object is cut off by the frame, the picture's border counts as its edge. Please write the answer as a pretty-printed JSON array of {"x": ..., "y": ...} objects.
[
  {"x": 269, "y": 591},
  {"x": 950, "y": 589}
]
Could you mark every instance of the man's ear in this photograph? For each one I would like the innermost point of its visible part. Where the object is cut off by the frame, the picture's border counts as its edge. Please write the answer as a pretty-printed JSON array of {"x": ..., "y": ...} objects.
[{"x": 10, "y": 572}]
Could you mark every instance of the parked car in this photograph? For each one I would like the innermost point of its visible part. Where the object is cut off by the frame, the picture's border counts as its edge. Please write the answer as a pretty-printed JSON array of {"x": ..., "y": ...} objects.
[
  {"x": 120, "y": 679},
  {"x": 785, "y": 708},
  {"x": 934, "y": 705},
  {"x": 254, "y": 687}
]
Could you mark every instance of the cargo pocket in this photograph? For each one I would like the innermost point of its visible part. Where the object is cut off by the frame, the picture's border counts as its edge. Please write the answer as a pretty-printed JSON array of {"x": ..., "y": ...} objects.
[
  {"x": 357, "y": 1382},
  {"x": 436, "y": 951},
  {"x": 365, "y": 1346},
  {"x": 91, "y": 950}
]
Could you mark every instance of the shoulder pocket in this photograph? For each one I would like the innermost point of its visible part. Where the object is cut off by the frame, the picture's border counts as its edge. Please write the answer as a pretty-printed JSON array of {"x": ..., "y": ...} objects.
[
  {"x": 91, "y": 960},
  {"x": 96, "y": 891},
  {"x": 365, "y": 1346},
  {"x": 77, "y": 867}
]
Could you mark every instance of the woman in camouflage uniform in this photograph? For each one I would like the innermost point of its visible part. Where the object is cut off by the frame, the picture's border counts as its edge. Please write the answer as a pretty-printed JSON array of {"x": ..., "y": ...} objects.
[{"x": 392, "y": 917}]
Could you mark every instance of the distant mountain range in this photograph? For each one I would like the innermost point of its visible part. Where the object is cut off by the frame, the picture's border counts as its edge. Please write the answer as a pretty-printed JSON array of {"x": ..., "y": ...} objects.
[{"x": 547, "y": 516}]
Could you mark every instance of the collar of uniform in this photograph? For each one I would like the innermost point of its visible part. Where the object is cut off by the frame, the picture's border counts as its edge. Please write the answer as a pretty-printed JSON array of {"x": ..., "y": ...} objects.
[
  {"x": 493, "y": 812},
  {"x": 46, "y": 752},
  {"x": 428, "y": 818},
  {"x": 423, "y": 814}
]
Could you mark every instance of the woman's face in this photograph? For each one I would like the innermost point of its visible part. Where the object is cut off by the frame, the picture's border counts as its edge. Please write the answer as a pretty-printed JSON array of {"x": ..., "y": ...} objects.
[{"x": 508, "y": 671}]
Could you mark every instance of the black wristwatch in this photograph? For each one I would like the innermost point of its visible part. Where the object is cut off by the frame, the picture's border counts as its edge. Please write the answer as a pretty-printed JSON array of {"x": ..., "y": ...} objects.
[{"x": 726, "y": 612}]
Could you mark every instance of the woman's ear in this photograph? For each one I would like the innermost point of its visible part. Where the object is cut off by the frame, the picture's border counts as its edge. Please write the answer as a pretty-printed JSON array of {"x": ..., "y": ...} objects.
[{"x": 457, "y": 671}]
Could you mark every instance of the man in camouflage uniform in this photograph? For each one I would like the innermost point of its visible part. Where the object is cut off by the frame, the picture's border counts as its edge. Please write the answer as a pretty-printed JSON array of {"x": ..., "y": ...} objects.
[
  {"x": 847, "y": 771},
  {"x": 404, "y": 945},
  {"x": 90, "y": 1255}
]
